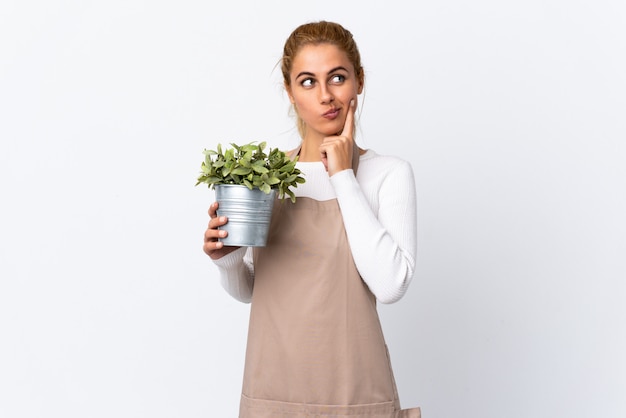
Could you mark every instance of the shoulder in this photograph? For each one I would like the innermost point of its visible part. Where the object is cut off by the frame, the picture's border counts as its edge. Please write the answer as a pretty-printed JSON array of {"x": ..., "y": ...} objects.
[
  {"x": 372, "y": 164},
  {"x": 382, "y": 175}
]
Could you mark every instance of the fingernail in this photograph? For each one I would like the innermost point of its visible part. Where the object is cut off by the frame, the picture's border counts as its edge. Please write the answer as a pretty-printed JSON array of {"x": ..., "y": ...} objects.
[
  {"x": 222, "y": 218},
  {"x": 222, "y": 233}
]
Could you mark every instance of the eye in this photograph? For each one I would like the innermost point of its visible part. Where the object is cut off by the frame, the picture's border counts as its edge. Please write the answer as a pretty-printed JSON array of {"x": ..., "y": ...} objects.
[
  {"x": 307, "y": 82},
  {"x": 337, "y": 79}
]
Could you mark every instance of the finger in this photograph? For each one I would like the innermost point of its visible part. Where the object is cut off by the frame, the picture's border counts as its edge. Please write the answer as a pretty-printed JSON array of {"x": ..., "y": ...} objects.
[
  {"x": 348, "y": 126},
  {"x": 211, "y": 247},
  {"x": 218, "y": 221},
  {"x": 324, "y": 156},
  {"x": 212, "y": 235},
  {"x": 213, "y": 210}
]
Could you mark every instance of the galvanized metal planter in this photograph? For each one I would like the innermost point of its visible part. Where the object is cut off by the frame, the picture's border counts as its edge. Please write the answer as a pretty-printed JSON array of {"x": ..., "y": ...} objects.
[{"x": 249, "y": 213}]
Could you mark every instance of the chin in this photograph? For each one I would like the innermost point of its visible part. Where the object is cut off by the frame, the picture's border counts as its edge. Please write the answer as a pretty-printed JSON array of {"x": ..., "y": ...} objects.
[
  {"x": 333, "y": 130},
  {"x": 327, "y": 129}
]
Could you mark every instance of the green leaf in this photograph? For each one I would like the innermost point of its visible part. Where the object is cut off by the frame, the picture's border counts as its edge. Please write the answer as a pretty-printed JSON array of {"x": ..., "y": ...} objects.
[
  {"x": 272, "y": 181},
  {"x": 265, "y": 188},
  {"x": 241, "y": 171},
  {"x": 292, "y": 196},
  {"x": 259, "y": 167},
  {"x": 291, "y": 179}
]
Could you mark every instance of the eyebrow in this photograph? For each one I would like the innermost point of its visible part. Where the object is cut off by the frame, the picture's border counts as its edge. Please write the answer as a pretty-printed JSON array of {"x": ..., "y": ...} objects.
[{"x": 309, "y": 74}]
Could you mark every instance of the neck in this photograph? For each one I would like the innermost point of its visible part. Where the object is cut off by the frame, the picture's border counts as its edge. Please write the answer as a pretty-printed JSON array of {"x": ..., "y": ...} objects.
[{"x": 310, "y": 150}]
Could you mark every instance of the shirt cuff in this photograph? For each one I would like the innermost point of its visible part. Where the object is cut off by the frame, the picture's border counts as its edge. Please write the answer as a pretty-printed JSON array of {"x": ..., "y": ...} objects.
[{"x": 231, "y": 260}]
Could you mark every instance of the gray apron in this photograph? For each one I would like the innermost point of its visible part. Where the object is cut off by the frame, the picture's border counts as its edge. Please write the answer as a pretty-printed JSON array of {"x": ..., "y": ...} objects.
[{"x": 315, "y": 344}]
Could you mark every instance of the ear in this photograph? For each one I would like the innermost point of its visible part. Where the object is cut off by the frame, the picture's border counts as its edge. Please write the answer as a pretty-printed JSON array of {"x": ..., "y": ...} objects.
[
  {"x": 361, "y": 81},
  {"x": 288, "y": 90}
]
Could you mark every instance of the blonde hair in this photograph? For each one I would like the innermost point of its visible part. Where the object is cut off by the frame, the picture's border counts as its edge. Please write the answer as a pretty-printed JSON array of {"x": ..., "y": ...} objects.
[{"x": 316, "y": 33}]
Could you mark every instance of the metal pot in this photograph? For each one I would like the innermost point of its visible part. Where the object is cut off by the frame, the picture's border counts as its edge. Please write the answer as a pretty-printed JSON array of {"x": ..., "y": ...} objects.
[{"x": 249, "y": 213}]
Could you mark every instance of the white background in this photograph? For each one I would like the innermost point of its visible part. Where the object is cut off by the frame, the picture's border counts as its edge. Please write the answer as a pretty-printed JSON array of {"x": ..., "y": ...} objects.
[{"x": 511, "y": 113}]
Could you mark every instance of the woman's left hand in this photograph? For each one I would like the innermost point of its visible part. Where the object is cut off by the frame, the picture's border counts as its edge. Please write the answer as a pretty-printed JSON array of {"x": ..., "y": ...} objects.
[{"x": 337, "y": 152}]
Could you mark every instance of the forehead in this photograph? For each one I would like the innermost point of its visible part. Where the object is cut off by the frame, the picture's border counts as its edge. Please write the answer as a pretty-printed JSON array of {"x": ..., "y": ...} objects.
[{"x": 320, "y": 58}]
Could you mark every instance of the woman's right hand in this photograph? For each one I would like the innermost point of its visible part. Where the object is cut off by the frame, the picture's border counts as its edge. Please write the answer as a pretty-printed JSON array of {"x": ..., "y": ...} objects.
[{"x": 212, "y": 247}]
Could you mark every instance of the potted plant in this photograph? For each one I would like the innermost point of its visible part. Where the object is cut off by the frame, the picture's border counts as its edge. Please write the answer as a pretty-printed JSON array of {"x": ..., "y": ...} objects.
[{"x": 246, "y": 181}]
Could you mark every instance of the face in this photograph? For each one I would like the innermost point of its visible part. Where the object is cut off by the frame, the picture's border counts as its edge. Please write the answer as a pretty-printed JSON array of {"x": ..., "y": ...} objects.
[{"x": 323, "y": 82}]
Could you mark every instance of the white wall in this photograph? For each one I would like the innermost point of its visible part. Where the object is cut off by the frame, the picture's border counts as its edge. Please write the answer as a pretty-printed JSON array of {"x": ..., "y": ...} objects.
[{"x": 512, "y": 115}]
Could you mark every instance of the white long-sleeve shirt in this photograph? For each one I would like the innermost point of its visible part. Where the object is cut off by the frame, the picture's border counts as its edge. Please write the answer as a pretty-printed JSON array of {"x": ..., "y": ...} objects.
[{"x": 379, "y": 213}]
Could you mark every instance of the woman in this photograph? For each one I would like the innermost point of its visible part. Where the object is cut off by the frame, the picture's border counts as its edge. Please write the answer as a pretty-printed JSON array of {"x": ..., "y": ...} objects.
[{"x": 315, "y": 345}]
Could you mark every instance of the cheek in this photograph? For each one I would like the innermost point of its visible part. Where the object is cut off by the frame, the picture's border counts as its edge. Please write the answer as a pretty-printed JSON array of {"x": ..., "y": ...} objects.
[
  {"x": 302, "y": 109},
  {"x": 302, "y": 102},
  {"x": 347, "y": 94}
]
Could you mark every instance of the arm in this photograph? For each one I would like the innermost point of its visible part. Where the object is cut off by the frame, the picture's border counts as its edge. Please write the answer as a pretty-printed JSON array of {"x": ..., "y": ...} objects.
[
  {"x": 234, "y": 263},
  {"x": 383, "y": 243},
  {"x": 237, "y": 273}
]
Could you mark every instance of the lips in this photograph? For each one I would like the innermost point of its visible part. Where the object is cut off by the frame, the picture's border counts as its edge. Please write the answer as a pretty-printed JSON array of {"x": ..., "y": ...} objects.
[{"x": 332, "y": 113}]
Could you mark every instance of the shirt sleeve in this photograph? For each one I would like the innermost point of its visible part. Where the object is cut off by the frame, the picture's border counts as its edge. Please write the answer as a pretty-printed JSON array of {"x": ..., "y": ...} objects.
[
  {"x": 383, "y": 244},
  {"x": 237, "y": 273}
]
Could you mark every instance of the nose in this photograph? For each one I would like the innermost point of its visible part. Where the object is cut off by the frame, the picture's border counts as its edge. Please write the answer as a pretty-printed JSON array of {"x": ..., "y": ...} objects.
[{"x": 326, "y": 95}]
